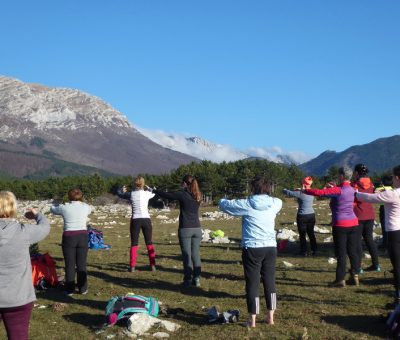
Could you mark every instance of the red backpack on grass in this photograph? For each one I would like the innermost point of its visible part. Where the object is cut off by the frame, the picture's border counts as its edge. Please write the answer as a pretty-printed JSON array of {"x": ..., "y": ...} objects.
[{"x": 43, "y": 268}]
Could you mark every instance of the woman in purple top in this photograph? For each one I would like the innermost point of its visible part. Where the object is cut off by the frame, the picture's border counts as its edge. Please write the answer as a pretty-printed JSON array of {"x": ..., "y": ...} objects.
[{"x": 344, "y": 226}]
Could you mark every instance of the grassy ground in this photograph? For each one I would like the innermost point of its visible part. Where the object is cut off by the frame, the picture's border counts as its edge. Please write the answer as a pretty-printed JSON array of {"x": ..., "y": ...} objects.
[{"x": 307, "y": 308}]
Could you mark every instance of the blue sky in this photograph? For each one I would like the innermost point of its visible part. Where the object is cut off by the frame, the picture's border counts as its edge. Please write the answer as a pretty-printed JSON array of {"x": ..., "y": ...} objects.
[{"x": 304, "y": 76}]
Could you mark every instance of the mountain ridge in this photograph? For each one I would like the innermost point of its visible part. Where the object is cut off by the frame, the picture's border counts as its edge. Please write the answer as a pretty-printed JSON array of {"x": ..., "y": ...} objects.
[
  {"x": 379, "y": 155},
  {"x": 77, "y": 128}
]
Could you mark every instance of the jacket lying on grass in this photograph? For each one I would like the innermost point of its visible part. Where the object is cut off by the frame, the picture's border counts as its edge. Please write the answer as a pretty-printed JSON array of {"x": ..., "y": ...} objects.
[{"x": 258, "y": 218}]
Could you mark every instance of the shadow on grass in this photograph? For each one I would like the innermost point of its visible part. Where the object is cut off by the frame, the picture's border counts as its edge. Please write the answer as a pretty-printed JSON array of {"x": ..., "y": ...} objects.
[
  {"x": 376, "y": 281},
  {"x": 185, "y": 316},
  {"x": 86, "y": 319},
  {"x": 205, "y": 260},
  {"x": 136, "y": 282},
  {"x": 372, "y": 325}
]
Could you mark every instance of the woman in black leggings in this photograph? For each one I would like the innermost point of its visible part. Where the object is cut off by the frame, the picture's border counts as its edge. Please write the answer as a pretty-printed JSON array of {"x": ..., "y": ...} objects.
[{"x": 258, "y": 213}]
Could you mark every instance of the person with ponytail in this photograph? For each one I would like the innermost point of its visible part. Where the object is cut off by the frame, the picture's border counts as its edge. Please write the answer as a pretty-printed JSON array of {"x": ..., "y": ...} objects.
[
  {"x": 140, "y": 220},
  {"x": 189, "y": 232}
]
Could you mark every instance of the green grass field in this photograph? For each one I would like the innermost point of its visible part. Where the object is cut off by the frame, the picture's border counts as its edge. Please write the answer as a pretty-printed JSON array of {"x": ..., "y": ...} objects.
[{"x": 307, "y": 308}]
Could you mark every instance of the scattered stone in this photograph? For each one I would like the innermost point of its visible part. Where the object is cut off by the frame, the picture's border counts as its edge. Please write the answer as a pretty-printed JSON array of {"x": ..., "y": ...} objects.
[
  {"x": 161, "y": 335},
  {"x": 287, "y": 234},
  {"x": 59, "y": 307},
  {"x": 332, "y": 260},
  {"x": 321, "y": 230}
]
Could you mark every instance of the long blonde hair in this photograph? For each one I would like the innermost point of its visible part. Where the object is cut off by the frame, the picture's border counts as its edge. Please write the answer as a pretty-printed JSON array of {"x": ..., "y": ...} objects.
[
  {"x": 192, "y": 187},
  {"x": 8, "y": 204},
  {"x": 139, "y": 182}
]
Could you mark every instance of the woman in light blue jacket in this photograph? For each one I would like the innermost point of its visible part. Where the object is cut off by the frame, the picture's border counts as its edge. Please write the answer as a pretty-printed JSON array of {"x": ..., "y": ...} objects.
[{"x": 258, "y": 213}]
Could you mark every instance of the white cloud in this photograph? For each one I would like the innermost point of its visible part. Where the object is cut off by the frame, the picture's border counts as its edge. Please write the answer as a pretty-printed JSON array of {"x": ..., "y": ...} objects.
[
  {"x": 206, "y": 150},
  {"x": 276, "y": 154}
]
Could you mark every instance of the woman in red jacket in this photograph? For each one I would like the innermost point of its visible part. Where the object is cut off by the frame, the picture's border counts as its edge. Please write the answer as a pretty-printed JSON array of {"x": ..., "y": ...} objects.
[{"x": 365, "y": 213}]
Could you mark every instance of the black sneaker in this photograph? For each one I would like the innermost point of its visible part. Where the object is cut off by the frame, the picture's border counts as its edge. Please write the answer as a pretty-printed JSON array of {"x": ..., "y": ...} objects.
[
  {"x": 337, "y": 284},
  {"x": 373, "y": 268},
  {"x": 353, "y": 280}
]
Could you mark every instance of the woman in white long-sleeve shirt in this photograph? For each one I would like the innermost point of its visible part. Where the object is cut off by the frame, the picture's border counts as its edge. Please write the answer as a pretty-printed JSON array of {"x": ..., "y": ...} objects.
[
  {"x": 140, "y": 220},
  {"x": 391, "y": 202}
]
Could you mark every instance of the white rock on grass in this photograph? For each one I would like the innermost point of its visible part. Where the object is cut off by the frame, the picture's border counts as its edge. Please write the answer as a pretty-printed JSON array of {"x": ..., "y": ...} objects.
[
  {"x": 288, "y": 264},
  {"x": 320, "y": 230},
  {"x": 286, "y": 234},
  {"x": 332, "y": 260},
  {"x": 367, "y": 256},
  {"x": 376, "y": 237},
  {"x": 328, "y": 239},
  {"x": 161, "y": 335},
  {"x": 140, "y": 323}
]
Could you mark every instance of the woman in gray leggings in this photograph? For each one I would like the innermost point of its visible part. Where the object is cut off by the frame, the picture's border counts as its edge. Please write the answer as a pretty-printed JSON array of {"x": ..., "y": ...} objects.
[{"x": 189, "y": 227}]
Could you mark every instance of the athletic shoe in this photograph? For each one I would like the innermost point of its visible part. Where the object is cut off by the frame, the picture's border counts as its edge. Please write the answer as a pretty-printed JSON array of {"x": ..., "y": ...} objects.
[
  {"x": 196, "y": 282},
  {"x": 66, "y": 293},
  {"x": 337, "y": 284},
  {"x": 153, "y": 268},
  {"x": 372, "y": 268},
  {"x": 131, "y": 269},
  {"x": 353, "y": 280},
  {"x": 84, "y": 292}
]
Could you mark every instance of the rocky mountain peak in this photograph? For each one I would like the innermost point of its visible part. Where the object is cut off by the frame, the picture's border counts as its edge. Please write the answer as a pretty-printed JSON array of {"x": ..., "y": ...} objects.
[{"x": 46, "y": 108}]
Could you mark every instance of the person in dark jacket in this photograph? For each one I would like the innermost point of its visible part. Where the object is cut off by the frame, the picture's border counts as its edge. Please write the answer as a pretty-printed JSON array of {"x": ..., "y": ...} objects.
[
  {"x": 189, "y": 232},
  {"x": 365, "y": 213},
  {"x": 344, "y": 226},
  {"x": 17, "y": 293}
]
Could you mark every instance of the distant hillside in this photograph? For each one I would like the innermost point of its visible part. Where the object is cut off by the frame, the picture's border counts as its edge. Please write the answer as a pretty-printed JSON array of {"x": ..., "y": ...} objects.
[
  {"x": 34, "y": 166},
  {"x": 380, "y": 155},
  {"x": 44, "y": 129}
]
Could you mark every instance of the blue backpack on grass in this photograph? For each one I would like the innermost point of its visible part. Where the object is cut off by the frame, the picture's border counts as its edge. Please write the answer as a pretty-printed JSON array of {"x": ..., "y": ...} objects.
[
  {"x": 120, "y": 307},
  {"x": 96, "y": 239}
]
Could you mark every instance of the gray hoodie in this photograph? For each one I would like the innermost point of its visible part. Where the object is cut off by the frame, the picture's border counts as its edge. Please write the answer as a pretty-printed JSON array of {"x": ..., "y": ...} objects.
[{"x": 16, "y": 288}]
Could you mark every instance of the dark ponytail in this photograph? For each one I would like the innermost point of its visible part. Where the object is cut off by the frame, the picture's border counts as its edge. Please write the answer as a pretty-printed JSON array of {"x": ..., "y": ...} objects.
[{"x": 192, "y": 187}]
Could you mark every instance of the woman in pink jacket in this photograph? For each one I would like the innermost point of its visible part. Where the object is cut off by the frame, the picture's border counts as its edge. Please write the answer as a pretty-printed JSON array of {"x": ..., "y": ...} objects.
[{"x": 391, "y": 201}]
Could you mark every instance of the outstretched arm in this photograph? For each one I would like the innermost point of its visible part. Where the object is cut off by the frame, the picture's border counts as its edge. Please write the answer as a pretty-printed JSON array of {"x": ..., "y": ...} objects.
[
  {"x": 175, "y": 195},
  {"x": 327, "y": 192},
  {"x": 234, "y": 207},
  {"x": 123, "y": 193},
  {"x": 388, "y": 196},
  {"x": 37, "y": 232},
  {"x": 292, "y": 193}
]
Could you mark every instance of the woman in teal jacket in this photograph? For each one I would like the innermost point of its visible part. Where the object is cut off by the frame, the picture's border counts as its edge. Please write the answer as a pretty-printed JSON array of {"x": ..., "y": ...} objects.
[{"x": 258, "y": 213}]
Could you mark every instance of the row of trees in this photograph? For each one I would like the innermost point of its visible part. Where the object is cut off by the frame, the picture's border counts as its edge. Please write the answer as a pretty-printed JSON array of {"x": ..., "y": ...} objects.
[{"x": 216, "y": 180}]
